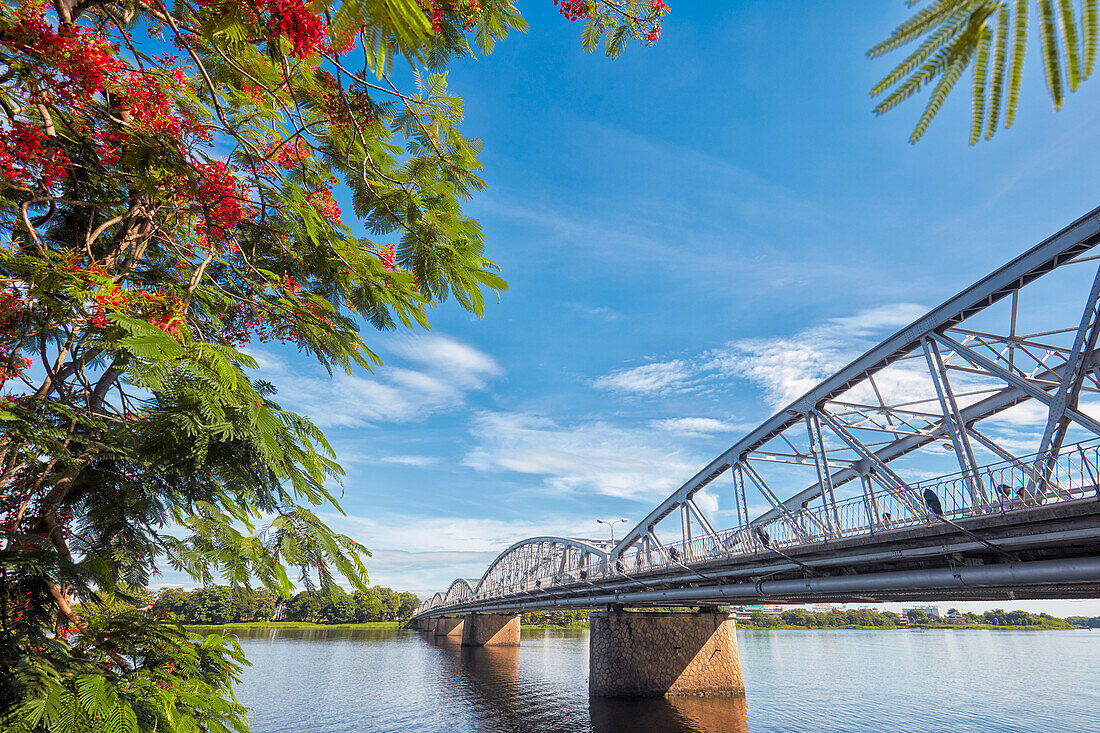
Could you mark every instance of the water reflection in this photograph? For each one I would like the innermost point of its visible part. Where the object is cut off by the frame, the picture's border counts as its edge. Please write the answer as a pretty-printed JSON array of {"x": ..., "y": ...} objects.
[
  {"x": 698, "y": 714},
  {"x": 491, "y": 682}
]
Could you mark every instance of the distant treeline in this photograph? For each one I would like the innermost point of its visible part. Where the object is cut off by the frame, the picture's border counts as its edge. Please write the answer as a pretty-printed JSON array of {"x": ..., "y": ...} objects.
[
  {"x": 890, "y": 620},
  {"x": 1000, "y": 617},
  {"x": 835, "y": 619},
  {"x": 1084, "y": 622},
  {"x": 220, "y": 604},
  {"x": 553, "y": 618}
]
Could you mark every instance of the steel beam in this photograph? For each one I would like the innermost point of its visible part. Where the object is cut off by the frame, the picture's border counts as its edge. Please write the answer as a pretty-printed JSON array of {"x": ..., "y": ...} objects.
[{"x": 1048, "y": 255}]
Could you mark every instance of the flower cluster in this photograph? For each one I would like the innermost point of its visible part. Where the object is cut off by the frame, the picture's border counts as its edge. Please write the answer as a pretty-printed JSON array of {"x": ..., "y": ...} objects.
[
  {"x": 222, "y": 197},
  {"x": 163, "y": 310},
  {"x": 324, "y": 203},
  {"x": 83, "y": 60},
  {"x": 291, "y": 20},
  {"x": 575, "y": 9},
  {"x": 345, "y": 109},
  {"x": 27, "y": 156},
  {"x": 658, "y": 8},
  {"x": 288, "y": 154},
  {"x": 388, "y": 255},
  {"x": 13, "y": 367},
  {"x": 151, "y": 109}
]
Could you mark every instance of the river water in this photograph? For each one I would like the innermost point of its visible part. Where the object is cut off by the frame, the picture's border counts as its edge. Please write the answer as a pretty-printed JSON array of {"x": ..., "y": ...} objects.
[{"x": 383, "y": 680}]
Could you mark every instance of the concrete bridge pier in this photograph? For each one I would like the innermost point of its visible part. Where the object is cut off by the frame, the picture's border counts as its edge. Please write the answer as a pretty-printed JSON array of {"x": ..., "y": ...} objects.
[
  {"x": 449, "y": 626},
  {"x": 652, "y": 654},
  {"x": 490, "y": 629}
]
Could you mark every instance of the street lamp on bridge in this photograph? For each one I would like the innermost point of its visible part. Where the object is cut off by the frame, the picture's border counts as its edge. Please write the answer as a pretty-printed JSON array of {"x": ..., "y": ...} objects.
[{"x": 611, "y": 524}]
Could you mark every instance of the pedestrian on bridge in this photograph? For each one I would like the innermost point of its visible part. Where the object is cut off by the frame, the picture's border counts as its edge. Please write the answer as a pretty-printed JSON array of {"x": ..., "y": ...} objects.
[{"x": 933, "y": 502}]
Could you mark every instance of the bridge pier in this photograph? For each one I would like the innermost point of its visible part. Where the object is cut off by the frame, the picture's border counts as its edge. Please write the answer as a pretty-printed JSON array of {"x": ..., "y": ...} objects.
[
  {"x": 490, "y": 629},
  {"x": 449, "y": 626},
  {"x": 653, "y": 654}
]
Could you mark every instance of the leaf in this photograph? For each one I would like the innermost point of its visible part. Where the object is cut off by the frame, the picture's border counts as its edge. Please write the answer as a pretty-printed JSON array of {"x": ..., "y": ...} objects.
[
  {"x": 1068, "y": 24},
  {"x": 1052, "y": 66},
  {"x": 998, "y": 75},
  {"x": 1016, "y": 67},
  {"x": 981, "y": 72}
]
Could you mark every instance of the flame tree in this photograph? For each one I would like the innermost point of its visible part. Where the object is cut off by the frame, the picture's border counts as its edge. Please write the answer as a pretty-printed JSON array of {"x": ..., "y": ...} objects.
[{"x": 166, "y": 193}]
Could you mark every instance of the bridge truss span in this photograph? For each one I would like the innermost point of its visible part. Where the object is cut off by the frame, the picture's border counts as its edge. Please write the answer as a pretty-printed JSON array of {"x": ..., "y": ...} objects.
[{"x": 968, "y": 438}]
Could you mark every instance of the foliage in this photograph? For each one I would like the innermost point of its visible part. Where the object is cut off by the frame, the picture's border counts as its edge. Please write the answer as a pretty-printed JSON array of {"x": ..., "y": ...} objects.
[
  {"x": 167, "y": 179},
  {"x": 866, "y": 618},
  {"x": 225, "y": 605},
  {"x": 991, "y": 38},
  {"x": 554, "y": 618}
]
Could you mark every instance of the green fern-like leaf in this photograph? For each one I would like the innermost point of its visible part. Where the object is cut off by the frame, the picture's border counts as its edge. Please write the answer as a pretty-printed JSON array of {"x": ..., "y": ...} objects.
[
  {"x": 1089, "y": 33},
  {"x": 929, "y": 17},
  {"x": 961, "y": 53},
  {"x": 1068, "y": 23},
  {"x": 1016, "y": 66},
  {"x": 997, "y": 79},
  {"x": 932, "y": 44},
  {"x": 981, "y": 73},
  {"x": 1052, "y": 65}
]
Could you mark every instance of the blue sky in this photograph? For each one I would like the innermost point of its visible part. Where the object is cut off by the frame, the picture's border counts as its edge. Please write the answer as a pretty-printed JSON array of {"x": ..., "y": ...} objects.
[{"x": 690, "y": 233}]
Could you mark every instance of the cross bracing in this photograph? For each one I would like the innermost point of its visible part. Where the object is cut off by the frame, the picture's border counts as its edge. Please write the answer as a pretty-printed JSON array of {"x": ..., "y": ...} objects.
[{"x": 934, "y": 394}]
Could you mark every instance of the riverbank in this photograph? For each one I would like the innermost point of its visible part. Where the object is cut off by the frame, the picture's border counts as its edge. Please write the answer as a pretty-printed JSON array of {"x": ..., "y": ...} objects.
[
  {"x": 952, "y": 627},
  {"x": 291, "y": 626}
]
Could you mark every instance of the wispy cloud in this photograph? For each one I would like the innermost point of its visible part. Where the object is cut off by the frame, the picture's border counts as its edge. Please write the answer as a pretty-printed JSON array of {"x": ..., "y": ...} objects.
[
  {"x": 416, "y": 461},
  {"x": 783, "y": 367},
  {"x": 649, "y": 379},
  {"x": 585, "y": 456},
  {"x": 695, "y": 426},
  {"x": 445, "y": 372}
]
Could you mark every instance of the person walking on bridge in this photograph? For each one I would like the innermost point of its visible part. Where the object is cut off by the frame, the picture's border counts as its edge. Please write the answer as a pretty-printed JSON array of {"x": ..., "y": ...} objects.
[{"x": 933, "y": 502}]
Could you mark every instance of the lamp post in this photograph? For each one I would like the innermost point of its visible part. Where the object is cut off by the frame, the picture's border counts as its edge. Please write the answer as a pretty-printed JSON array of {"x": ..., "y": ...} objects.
[{"x": 611, "y": 524}]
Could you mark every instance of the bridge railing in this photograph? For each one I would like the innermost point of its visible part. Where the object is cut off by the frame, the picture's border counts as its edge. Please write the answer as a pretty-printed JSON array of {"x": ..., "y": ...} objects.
[{"x": 999, "y": 488}]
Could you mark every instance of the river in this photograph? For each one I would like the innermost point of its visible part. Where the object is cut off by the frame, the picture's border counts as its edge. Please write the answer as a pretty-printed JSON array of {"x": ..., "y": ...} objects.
[{"x": 390, "y": 680}]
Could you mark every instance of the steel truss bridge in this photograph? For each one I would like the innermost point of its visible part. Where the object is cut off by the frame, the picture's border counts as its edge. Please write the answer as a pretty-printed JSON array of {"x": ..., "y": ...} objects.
[{"x": 987, "y": 393}]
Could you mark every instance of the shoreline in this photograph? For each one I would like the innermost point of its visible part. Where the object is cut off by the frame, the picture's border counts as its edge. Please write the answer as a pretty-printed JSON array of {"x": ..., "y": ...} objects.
[
  {"x": 375, "y": 625},
  {"x": 293, "y": 625}
]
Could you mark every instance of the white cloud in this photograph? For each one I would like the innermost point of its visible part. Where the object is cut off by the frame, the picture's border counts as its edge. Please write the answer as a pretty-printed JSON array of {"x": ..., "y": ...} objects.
[
  {"x": 417, "y": 461},
  {"x": 694, "y": 426},
  {"x": 784, "y": 367},
  {"x": 447, "y": 372},
  {"x": 587, "y": 456},
  {"x": 444, "y": 355},
  {"x": 648, "y": 379},
  {"x": 707, "y": 503},
  {"x": 1025, "y": 414}
]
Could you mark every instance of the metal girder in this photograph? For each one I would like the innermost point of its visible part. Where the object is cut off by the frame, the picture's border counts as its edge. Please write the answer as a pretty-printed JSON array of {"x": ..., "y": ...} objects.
[
  {"x": 772, "y": 498},
  {"x": 952, "y": 422},
  {"x": 824, "y": 479},
  {"x": 1065, "y": 399},
  {"x": 885, "y": 475},
  {"x": 1026, "y": 386},
  {"x": 1048, "y": 255},
  {"x": 502, "y": 558},
  {"x": 980, "y": 410}
]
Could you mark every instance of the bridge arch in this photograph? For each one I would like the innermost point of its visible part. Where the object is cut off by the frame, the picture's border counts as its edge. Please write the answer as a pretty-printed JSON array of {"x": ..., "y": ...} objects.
[
  {"x": 461, "y": 589},
  {"x": 528, "y": 561}
]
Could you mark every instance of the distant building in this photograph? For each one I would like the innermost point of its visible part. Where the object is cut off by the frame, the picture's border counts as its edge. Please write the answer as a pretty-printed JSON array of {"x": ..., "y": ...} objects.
[
  {"x": 954, "y": 617},
  {"x": 933, "y": 611},
  {"x": 744, "y": 613}
]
